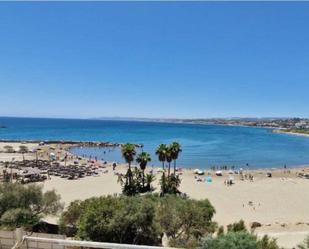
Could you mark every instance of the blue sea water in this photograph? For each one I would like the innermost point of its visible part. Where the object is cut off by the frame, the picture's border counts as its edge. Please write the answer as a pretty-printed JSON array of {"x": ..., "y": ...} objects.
[{"x": 203, "y": 145}]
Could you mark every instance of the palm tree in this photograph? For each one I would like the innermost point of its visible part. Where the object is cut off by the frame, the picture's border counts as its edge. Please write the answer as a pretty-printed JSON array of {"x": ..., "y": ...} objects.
[
  {"x": 128, "y": 153},
  {"x": 169, "y": 158},
  {"x": 149, "y": 179},
  {"x": 175, "y": 149},
  {"x": 161, "y": 153},
  {"x": 143, "y": 158}
]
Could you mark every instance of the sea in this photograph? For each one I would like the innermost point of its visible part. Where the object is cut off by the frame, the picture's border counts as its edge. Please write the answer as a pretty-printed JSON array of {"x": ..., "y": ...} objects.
[{"x": 203, "y": 146}]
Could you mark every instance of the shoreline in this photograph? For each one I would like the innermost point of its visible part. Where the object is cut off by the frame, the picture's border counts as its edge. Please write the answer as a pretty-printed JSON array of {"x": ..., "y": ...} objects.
[
  {"x": 278, "y": 203},
  {"x": 70, "y": 144},
  {"x": 280, "y": 131}
]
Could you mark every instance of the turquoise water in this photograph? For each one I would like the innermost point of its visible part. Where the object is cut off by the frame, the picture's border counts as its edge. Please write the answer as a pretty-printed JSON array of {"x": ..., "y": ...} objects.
[{"x": 203, "y": 145}]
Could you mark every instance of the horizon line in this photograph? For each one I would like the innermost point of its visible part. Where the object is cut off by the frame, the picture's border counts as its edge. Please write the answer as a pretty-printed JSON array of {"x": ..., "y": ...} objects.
[{"x": 151, "y": 118}]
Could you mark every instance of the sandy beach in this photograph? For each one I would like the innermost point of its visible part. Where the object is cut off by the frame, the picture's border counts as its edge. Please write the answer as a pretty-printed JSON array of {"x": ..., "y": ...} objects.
[
  {"x": 16, "y": 156},
  {"x": 279, "y": 203}
]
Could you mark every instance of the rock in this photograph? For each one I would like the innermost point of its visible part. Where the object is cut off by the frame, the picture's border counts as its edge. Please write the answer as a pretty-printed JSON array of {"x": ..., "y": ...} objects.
[{"x": 255, "y": 224}]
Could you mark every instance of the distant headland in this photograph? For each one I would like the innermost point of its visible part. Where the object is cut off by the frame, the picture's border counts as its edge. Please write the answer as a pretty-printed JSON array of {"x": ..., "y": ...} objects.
[{"x": 295, "y": 126}]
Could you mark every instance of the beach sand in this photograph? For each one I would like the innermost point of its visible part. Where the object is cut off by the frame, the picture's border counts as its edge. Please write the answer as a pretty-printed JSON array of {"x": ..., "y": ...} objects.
[
  {"x": 280, "y": 203},
  {"x": 281, "y": 206},
  {"x": 16, "y": 156}
]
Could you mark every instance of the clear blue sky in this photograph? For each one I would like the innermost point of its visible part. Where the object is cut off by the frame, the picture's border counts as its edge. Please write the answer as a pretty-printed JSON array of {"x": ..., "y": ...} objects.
[{"x": 154, "y": 59}]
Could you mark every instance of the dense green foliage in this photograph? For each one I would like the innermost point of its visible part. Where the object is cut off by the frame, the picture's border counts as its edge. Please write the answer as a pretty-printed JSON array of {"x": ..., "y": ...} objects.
[
  {"x": 140, "y": 219},
  {"x": 237, "y": 227},
  {"x": 168, "y": 153},
  {"x": 185, "y": 221},
  {"x": 122, "y": 220},
  {"x": 170, "y": 184},
  {"x": 139, "y": 182},
  {"x": 22, "y": 205},
  {"x": 231, "y": 240},
  {"x": 161, "y": 153},
  {"x": 238, "y": 240},
  {"x": 135, "y": 181},
  {"x": 128, "y": 153},
  {"x": 175, "y": 149},
  {"x": 237, "y": 237},
  {"x": 143, "y": 158}
]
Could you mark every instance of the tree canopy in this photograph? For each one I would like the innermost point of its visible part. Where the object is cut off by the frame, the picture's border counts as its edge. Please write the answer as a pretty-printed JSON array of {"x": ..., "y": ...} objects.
[
  {"x": 22, "y": 205},
  {"x": 140, "y": 219},
  {"x": 237, "y": 237}
]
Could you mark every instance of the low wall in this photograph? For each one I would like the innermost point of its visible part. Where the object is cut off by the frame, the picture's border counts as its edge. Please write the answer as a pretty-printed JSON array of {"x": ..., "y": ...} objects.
[{"x": 9, "y": 238}]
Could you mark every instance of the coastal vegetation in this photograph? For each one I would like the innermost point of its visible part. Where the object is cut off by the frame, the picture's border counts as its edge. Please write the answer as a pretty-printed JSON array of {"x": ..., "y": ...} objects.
[
  {"x": 304, "y": 131},
  {"x": 166, "y": 217},
  {"x": 140, "y": 220},
  {"x": 186, "y": 221},
  {"x": 135, "y": 181},
  {"x": 175, "y": 151},
  {"x": 143, "y": 158},
  {"x": 238, "y": 240},
  {"x": 168, "y": 153},
  {"x": 24, "y": 206},
  {"x": 237, "y": 237}
]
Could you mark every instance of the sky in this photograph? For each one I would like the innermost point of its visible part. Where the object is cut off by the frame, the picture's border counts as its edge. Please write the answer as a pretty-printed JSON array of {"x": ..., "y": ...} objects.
[{"x": 155, "y": 59}]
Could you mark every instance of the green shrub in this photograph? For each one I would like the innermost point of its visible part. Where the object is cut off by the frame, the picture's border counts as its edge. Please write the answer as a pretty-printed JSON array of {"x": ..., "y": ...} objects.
[
  {"x": 185, "y": 221},
  {"x": 122, "y": 220},
  {"x": 22, "y": 205},
  {"x": 237, "y": 237},
  {"x": 237, "y": 227},
  {"x": 140, "y": 219}
]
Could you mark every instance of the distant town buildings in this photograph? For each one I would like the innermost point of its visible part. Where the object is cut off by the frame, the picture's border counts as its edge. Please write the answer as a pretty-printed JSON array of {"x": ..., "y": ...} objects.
[{"x": 279, "y": 123}]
